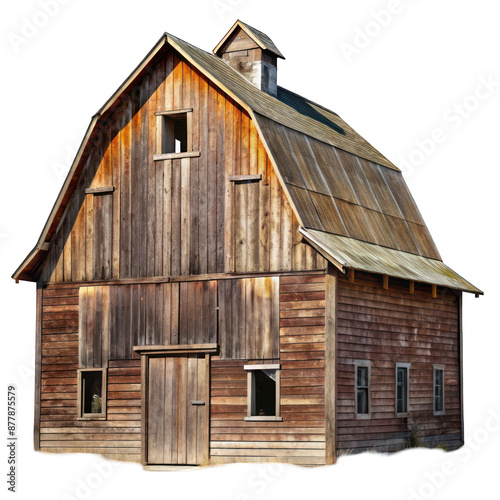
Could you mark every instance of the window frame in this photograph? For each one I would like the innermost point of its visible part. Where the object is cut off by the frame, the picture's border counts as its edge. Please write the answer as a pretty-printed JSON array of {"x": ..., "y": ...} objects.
[
  {"x": 161, "y": 131},
  {"x": 407, "y": 367},
  {"x": 81, "y": 415},
  {"x": 436, "y": 368},
  {"x": 251, "y": 369},
  {"x": 364, "y": 363}
]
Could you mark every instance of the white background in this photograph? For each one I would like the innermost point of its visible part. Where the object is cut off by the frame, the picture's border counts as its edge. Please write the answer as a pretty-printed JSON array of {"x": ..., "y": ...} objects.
[{"x": 416, "y": 65}]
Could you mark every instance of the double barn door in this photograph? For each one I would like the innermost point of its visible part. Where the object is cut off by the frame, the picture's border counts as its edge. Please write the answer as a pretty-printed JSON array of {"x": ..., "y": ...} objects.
[{"x": 177, "y": 415}]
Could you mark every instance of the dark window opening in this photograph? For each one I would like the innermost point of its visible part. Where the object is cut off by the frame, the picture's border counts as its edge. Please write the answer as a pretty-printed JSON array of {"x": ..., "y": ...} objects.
[
  {"x": 180, "y": 134},
  {"x": 438, "y": 391},
  {"x": 174, "y": 137},
  {"x": 92, "y": 392},
  {"x": 264, "y": 394},
  {"x": 362, "y": 390},
  {"x": 402, "y": 390}
]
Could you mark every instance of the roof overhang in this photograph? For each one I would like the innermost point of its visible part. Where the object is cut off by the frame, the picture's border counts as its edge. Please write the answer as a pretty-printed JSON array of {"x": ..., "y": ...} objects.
[{"x": 348, "y": 253}]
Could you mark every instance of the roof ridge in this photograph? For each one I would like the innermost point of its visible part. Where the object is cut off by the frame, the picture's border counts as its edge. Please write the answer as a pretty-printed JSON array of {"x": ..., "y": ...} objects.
[{"x": 265, "y": 40}]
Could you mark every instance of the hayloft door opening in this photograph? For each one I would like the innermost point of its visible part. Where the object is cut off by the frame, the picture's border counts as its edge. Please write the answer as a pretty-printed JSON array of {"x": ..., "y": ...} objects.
[{"x": 177, "y": 410}]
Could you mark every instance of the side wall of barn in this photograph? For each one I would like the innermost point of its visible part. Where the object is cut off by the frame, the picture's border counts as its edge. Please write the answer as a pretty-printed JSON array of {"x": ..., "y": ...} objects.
[{"x": 395, "y": 326}]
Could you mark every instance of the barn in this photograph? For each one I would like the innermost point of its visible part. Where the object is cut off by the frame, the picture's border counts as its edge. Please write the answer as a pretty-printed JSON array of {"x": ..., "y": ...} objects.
[{"x": 230, "y": 273}]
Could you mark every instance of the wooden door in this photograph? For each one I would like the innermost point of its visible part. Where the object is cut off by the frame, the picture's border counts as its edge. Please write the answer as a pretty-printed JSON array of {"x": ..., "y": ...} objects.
[{"x": 177, "y": 410}]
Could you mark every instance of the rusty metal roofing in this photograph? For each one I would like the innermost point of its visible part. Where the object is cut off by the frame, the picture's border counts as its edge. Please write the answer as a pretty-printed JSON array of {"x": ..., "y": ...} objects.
[{"x": 349, "y": 253}]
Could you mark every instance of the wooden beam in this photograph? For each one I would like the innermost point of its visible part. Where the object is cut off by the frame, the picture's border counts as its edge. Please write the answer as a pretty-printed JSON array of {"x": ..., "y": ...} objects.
[
  {"x": 385, "y": 282},
  {"x": 173, "y": 112},
  {"x": 144, "y": 408},
  {"x": 206, "y": 457},
  {"x": 262, "y": 367},
  {"x": 330, "y": 364},
  {"x": 150, "y": 349},
  {"x": 461, "y": 366},
  {"x": 176, "y": 156},
  {"x": 244, "y": 178},
  {"x": 412, "y": 287},
  {"x": 100, "y": 190},
  {"x": 434, "y": 291},
  {"x": 38, "y": 366},
  {"x": 181, "y": 279},
  {"x": 350, "y": 274}
]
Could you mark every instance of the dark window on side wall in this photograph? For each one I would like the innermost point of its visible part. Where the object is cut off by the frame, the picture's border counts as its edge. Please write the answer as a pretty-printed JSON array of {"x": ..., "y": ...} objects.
[
  {"x": 263, "y": 392},
  {"x": 362, "y": 373},
  {"x": 264, "y": 403},
  {"x": 438, "y": 391},
  {"x": 402, "y": 386}
]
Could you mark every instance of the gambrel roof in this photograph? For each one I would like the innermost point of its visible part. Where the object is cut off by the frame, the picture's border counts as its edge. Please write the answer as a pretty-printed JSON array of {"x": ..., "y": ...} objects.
[{"x": 351, "y": 202}]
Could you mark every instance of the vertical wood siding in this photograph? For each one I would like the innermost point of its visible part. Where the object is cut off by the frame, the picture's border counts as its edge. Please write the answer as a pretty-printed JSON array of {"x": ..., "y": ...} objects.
[
  {"x": 389, "y": 326},
  {"x": 182, "y": 216},
  {"x": 114, "y": 319},
  {"x": 177, "y": 429},
  {"x": 300, "y": 438},
  {"x": 249, "y": 318}
]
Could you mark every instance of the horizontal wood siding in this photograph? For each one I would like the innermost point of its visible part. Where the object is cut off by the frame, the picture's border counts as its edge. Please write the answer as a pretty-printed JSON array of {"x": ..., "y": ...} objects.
[
  {"x": 177, "y": 216},
  {"x": 389, "y": 326},
  {"x": 300, "y": 437},
  {"x": 118, "y": 436}
]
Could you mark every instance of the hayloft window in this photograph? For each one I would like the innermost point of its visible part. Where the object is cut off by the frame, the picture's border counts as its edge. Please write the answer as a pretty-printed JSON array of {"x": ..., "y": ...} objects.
[
  {"x": 263, "y": 396},
  {"x": 174, "y": 134},
  {"x": 92, "y": 393},
  {"x": 402, "y": 389},
  {"x": 362, "y": 369},
  {"x": 438, "y": 391}
]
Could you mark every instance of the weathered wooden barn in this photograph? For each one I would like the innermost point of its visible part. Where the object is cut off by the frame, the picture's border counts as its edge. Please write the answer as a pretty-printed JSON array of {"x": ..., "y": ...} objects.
[{"x": 231, "y": 273}]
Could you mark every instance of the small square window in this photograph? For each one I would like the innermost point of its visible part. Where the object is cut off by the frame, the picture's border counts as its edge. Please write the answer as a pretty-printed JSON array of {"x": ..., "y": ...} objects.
[
  {"x": 263, "y": 392},
  {"x": 402, "y": 389},
  {"x": 173, "y": 133},
  {"x": 362, "y": 369},
  {"x": 92, "y": 393},
  {"x": 438, "y": 391}
]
